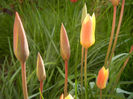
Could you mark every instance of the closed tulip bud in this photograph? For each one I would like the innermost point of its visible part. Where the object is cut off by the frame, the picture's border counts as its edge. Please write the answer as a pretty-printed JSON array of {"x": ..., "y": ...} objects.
[
  {"x": 20, "y": 44},
  {"x": 87, "y": 35},
  {"x": 84, "y": 13},
  {"x": 41, "y": 74},
  {"x": 64, "y": 44},
  {"x": 115, "y": 2},
  {"x": 102, "y": 78},
  {"x": 67, "y": 97}
]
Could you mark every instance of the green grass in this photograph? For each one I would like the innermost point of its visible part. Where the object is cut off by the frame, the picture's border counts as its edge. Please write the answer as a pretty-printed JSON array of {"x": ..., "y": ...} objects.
[{"x": 42, "y": 21}]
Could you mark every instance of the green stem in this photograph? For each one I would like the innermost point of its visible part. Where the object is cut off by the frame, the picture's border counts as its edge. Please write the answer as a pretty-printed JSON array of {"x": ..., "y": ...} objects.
[
  {"x": 117, "y": 32},
  {"x": 41, "y": 89},
  {"x": 82, "y": 58},
  {"x": 85, "y": 72},
  {"x": 111, "y": 37},
  {"x": 121, "y": 70},
  {"x": 24, "y": 83},
  {"x": 100, "y": 93},
  {"x": 66, "y": 79}
]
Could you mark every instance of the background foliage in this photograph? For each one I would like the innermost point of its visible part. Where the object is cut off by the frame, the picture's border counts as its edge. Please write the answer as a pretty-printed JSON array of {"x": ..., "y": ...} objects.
[{"x": 42, "y": 21}]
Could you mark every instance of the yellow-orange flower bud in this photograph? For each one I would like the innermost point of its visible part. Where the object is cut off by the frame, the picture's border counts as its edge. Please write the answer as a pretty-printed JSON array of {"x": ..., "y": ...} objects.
[
  {"x": 41, "y": 74},
  {"x": 102, "y": 78},
  {"x": 87, "y": 35},
  {"x": 20, "y": 44},
  {"x": 64, "y": 44},
  {"x": 69, "y": 96},
  {"x": 115, "y": 2}
]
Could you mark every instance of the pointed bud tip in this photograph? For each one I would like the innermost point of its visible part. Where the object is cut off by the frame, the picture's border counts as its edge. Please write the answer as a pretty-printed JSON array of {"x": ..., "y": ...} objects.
[
  {"x": 17, "y": 16},
  {"x": 38, "y": 54}
]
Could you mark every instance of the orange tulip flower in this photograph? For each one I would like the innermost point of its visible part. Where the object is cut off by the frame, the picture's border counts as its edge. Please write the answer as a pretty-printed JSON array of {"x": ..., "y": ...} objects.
[
  {"x": 102, "y": 78},
  {"x": 87, "y": 36}
]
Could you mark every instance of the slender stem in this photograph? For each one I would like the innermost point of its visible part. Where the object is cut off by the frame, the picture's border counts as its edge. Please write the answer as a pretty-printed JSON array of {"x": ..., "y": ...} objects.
[
  {"x": 66, "y": 80},
  {"x": 117, "y": 31},
  {"x": 100, "y": 93},
  {"x": 85, "y": 72},
  {"x": 121, "y": 70},
  {"x": 111, "y": 37},
  {"x": 82, "y": 58},
  {"x": 24, "y": 83},
  {"x": 41, "y": 88}
]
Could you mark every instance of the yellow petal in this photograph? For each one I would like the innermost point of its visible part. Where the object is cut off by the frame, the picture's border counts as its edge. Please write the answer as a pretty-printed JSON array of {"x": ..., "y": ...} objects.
[
  {"x": 20, "y": 44},
  {"x": 41, "y": 74},
  {"x": 84, "y": 13},
  {"x": 94, "y": 26}
]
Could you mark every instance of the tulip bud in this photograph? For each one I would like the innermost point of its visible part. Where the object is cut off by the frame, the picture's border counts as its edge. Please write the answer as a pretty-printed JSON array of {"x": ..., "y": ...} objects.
[
  {"x": 115, "y": 2},
  {"x": 20, "y": 44},
  {"x": 41, "y": 74},
  {"x": 67, "y": 97},
  {"x": 64, "y": 44},
  {"x": 87, "y": 35},
  {"x": 102, "y": 78},
  {"x": 84, "y": 13}
]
